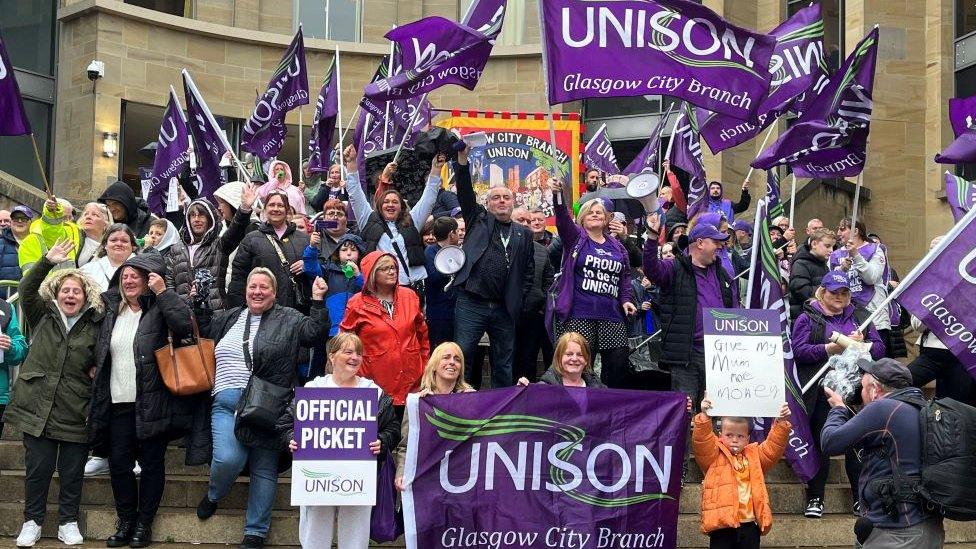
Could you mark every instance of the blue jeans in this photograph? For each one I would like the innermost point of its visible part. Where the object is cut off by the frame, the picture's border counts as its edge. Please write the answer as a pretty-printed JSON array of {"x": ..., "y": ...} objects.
[
  {"x": 472, "y": 318},
  {"x": 229, "y": 458}
]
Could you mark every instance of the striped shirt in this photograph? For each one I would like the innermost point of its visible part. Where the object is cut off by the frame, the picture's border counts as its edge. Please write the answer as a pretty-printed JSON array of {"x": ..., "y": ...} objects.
[{"x": 232, "y": 372}]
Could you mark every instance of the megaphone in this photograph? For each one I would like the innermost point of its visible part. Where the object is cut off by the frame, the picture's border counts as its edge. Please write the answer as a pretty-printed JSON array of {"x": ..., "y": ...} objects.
[
  {"x": 846, "y": 342},
  {"x": 449, "y": 260},
  {"x": 642, "y": 187}
]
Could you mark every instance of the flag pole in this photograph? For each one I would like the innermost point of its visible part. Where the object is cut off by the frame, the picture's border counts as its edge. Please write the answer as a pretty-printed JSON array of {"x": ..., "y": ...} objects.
[
  {"x": 661, "y": 160},
  {"x": 566, "y": 189},
  {"x": 342, "y": 165},
  {"x": 857, "y": 200},
  {"x": 342, "y": 137},
  {"x": 674, "y": 127},
  {"x": 40, "y": 165},
  {"x": 409, "y": 131},
  {"x": 301, "y": 172},
  {"x": 793, "y": 199},
  {"x": 754, "y": 256},
  {"x": 386, "y": 116},
  {"x": 761, "y": 148}
]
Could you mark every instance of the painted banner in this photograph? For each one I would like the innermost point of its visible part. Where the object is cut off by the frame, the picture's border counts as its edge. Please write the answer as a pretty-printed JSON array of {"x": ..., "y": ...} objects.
[
  {"x": 830, "y": 139},
  {"x": 797, "y": 67},
  {"x": 624, "y": 48},
  {"x": 333, "y": 464},
  {"x": 764, "y": 291},
  {"x": 13, "y": 119},
  {"x": 544, "y": 466},
  {"x": 598, "y": 153},
  {"x": 518, "y": 156},
  {"x": 264, "y": 132},
  {"x": 743, "y": 362},
  {"x": 324, "y": 123},
  {"x": 172, "y": 154},
  {"x": 941, "y": 291},
  {"x": 961, "y": 195},
  {"x": 209, "y": 141}
]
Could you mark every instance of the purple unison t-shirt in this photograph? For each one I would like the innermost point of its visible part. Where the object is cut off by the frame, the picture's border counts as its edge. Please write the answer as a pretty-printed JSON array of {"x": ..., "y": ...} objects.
[
  {"x": 709, "y": 295},
  {"x": 598, "y": 271}
]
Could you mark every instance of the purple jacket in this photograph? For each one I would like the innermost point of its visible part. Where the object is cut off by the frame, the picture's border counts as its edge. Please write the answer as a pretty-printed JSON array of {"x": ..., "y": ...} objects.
[{"x": 811, "y": 354}]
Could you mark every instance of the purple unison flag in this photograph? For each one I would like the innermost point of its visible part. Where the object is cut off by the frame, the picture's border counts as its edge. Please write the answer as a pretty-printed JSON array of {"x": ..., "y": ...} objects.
[
  {"x": 401, "y": 111},
  {"x": 523, "y": 465},
  {"x": 646, "y": 159},
  {"x": 13, "y": 119},
  {"x": 437, "y": 51},
  {"x": 324, "y": 123},
  {"x": 623, "y": 48},
  {"x": 962, "y": 150},
  {"x": 773, "y": 202},
  {"x": 598, "y": 153},
  {"x": 172, "y": 154},
  {"x": 961, "y": 195},
  {"x": 830, "y": 138},
  {"x": 765, "y": 291},
  {"x": 686, "y": 154},
  {"x": 941, "y": 291},
  {"x": 797, "y": 67},
  {"x": 961, "y": 114},
  {"x": 209, "y": 142},
  {"x": 264, "y": 132}
]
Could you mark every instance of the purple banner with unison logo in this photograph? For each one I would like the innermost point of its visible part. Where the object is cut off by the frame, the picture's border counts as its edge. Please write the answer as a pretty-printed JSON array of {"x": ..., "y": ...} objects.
[
  {"x": 641, "y": 47},
  {"x": 13, "y": 119},
  {"x": 544, "y": 466},
  {"x": 335, "y": 424}
]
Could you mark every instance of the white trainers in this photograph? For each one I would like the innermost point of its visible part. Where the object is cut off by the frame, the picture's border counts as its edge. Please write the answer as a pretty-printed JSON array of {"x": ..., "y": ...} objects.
[
  {"x": 96, "y": 466},
  {"x": 69, "y": 534},
  {"x": 137, "y": 470},
  {"x": 29, "y": 534}
]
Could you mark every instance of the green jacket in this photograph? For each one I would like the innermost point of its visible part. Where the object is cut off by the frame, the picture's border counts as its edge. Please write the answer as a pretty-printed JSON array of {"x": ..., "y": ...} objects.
[
  {"x": 52, "y": 395},
  {"x": 12, "y": 356}
]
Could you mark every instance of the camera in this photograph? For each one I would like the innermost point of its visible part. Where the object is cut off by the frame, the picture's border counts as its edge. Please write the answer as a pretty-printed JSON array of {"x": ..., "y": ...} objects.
[{"x": 96, "y": 70}]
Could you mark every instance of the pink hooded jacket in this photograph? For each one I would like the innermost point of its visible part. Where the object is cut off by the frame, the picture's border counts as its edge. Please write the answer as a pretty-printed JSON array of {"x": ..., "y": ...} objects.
[{"x": 295, "y": 197}]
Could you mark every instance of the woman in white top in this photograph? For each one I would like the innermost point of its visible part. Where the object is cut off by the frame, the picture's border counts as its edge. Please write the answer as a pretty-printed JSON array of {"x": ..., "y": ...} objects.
[
  {"x": 315, "y": 522},
  {"x": 118, "y": 245},
  {"x": 95, "y": 218}
]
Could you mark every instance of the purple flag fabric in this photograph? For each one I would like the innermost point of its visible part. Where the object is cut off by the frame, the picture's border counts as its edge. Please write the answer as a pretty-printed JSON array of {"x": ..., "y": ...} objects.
[
  {"x": 324, "y": 123},
  {"x": 172, "y": 154},
  {"x": 401, "y": 111},
  {"x": 773, "y": 202},
  {"x": 209, "y": 142},
  {"x": 264, "y": 132},
  {"x": 598, "y": 153},
  {"x": 602, "y": 465},
  {"x": 961, "y": 195},
  {"x": 437, "y": 51},
  {"x": 941, "y": 291},
  {"x": 830, "y": 138},
  {"x": 962, "y": 150},
  {"x": 961, "y": 114},
  {"x": 765, "y": 291},
  {"x": 13, "y": 119},
  {"x": 646, "y": 159},
  {"x": 623, "y": 48},
  {"x": 797, "y": 66},
  {"x": 686, "y": 154}
]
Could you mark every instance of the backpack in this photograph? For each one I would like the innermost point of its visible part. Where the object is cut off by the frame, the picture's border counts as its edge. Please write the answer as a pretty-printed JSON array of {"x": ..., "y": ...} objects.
[{"x": 948, "y": 430}]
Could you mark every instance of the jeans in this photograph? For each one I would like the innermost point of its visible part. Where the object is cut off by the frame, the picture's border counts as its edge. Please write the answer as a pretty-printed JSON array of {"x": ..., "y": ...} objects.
[
  {"x": 43, "y": 455},
  {"x": 690, "y": 378},
  {"x": 472, "y": 318},
  {"x": 135, "y": 499},
  {"x": 229, "y": 458}
]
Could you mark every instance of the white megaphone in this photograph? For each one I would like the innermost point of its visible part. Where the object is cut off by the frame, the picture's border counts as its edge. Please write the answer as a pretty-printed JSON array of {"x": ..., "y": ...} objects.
[
  {"x": 642, "y": 187},
  {"x": 449, "y": 260},
  {"x": 846, "y": 342}
]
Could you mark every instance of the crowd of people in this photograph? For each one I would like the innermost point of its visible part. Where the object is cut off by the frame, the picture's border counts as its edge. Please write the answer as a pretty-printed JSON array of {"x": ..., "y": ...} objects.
[{"x": 317, "y": 283}]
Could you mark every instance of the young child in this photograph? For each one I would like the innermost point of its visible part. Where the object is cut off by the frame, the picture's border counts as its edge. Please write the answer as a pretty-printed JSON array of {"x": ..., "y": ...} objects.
[
  {"x": 735, "y": 504},
  {"x": 157, "y": 229}
]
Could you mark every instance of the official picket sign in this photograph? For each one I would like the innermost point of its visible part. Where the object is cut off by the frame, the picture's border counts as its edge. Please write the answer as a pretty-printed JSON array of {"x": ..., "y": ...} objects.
[
  {"x": 544, "y": 466},
  {"x": 744, "y": 373},
  {"x": 333, "y": 464}
]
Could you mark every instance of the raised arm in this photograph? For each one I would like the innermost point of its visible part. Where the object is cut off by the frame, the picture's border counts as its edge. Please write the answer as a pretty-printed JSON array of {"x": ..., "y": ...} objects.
[
  {"x": 569, "y": 231},
  {"x": 465, "y": 189},
  {"x": 357, "y": 198},
  {"x": 657, "y": 270}
]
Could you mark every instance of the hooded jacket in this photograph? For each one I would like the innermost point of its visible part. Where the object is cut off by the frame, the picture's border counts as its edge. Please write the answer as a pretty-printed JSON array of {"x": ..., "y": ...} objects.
[
  {"x": 9, "y": 256},
  {"x": 395, "y": 349},
  {"x": 158, "y": 412},
  {"x": 341, "y": 287},
  {"x": 53, "y": 392},
  {"x": 256, "y": 250},
  {"x": 805, "y": 275},
  {"x": 296, "y": 199},
  {"x": 212, "y": 251},
  {"x": 137, "y": 215}
]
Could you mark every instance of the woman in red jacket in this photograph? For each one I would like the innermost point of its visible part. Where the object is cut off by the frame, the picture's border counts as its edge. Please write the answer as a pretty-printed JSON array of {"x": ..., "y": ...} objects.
[{"x": 388, "y": 319}]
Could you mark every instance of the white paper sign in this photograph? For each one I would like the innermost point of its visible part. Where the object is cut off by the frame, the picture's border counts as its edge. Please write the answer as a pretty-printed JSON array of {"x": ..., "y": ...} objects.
[
  {"x": 333, "y": 482},
  {"x": 744, "y": 368}
]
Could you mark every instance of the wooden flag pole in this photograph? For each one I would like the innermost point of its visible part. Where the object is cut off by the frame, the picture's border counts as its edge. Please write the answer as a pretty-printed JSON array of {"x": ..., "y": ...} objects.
[{"x": 40, "y": 165}]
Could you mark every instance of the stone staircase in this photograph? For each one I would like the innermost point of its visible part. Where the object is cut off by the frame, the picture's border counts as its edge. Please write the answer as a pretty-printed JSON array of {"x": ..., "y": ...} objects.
[{"x": 178, "y": 525}]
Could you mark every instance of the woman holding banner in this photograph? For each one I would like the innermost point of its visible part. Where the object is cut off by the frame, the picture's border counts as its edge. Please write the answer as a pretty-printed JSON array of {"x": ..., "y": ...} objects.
[
  {"x": 444, "y": 375},
  {"x": 315, "y": 522},
  {"x": 594, "y": 292},
  {"x": 829, "y": 311},
  {"x": 570, "y": 364}
]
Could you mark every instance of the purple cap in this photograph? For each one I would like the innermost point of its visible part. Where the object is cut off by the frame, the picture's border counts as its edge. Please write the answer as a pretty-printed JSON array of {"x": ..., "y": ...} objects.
[
  {"x": 742, "y": 225},
  {"x": 835, "y": 280},
  {"x": 456, "y": 211},
  {"x": 24, "y": 210},
  {"x": 706, "y": 230}
]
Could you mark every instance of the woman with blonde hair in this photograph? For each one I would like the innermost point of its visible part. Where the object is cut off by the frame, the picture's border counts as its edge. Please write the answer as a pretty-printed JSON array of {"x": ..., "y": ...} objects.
[
  {"x": 443, "y": 375},
  {"x": 571, "y": 366}
]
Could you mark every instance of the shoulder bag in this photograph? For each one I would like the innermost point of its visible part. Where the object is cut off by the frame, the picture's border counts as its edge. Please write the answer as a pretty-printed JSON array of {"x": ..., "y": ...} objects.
[
  {"x": 263, "y": 402},
  {"x": 190, "y": 369}
]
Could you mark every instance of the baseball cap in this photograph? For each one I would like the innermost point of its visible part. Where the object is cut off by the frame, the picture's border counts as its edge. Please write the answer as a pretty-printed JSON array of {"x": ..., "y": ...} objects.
[
  {"x": 742, "y": 225},
  {"x": 835, "y": 280},
  {"x": 707, "y": 230},
  {"x": 888, "y": 371},
  {"x": 23, "y": 210}
]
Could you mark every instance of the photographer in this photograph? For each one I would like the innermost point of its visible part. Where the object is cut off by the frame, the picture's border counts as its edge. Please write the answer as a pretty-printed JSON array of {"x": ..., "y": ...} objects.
[{"x": 887, "y": 434}]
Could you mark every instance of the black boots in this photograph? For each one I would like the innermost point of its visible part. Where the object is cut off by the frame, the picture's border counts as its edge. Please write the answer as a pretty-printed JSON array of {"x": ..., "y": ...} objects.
[
  {"x": 122, "y": 535},
  {"x": 142, "y": 536}
]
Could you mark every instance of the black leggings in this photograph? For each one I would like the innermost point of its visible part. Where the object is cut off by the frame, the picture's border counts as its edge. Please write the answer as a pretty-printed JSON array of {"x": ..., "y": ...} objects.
[
  {"x": 746, "y": 536},
  {"x": 817, "y": 409},
  {"x": 951, "y": 378}
]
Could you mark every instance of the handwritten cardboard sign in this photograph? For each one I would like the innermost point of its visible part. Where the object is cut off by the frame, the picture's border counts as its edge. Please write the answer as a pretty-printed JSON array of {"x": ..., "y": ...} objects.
[
  {"x": 744, "y": 372},
  {"x": 333, "y": 464}
]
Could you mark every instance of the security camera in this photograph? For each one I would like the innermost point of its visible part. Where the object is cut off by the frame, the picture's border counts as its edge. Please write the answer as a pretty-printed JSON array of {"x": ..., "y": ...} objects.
[{"x": 96, "y": 70}]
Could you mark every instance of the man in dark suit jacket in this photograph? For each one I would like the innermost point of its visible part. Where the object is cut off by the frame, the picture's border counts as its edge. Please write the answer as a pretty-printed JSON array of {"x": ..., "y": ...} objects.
[{"x": 498, "y": 272}]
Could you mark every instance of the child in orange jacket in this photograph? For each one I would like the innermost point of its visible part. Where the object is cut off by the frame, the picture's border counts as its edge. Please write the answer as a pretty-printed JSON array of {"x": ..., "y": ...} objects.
[{"x": 735, "y": 504}]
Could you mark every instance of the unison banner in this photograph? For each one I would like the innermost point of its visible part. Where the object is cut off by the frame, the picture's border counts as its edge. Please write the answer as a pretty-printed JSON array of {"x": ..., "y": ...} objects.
[
  {"x": 544, "y": 466},
  {"x": 642, "y": 47}
]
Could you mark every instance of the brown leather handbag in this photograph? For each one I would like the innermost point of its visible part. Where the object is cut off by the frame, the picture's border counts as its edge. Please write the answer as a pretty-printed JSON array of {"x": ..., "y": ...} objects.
[{"x": 190, "y": 369}]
